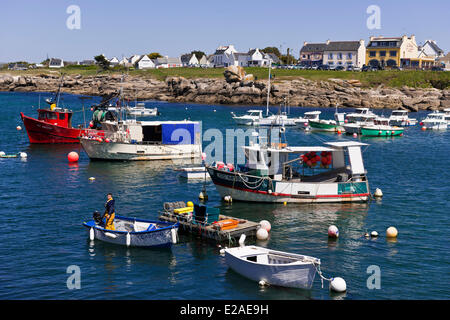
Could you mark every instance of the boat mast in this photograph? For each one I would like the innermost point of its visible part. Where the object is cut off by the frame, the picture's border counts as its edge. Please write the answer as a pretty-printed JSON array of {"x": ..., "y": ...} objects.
[{"x": 268, "y": 88}]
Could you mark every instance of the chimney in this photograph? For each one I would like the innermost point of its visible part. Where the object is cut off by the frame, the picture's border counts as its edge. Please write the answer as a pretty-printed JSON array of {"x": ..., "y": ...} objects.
[
  {"x": 305, "y": 43},
  {"x": 328, "y": 41}
]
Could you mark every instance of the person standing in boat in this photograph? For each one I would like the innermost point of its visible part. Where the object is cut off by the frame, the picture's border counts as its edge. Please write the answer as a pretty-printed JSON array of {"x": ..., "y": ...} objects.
[{"x": 109, "y": 212}]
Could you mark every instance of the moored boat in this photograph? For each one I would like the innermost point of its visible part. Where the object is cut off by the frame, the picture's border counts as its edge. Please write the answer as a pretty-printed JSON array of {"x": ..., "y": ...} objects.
[
  {"x": 139, "y": 110},
  {"x": 354, "y": 121},
  {"x": 435, "y": 121},
  {"x": 133, "y": 232},
  {"x": 328, "y": 125},
  {"x": 316, "y": 174},
  {"x": 381, "y": 128},
  {"x": 145, "y": 140},
  {"x": 303, "y": 122},
  {"x": 273, "y": 267},
  {"x": 400, "y": 118},
  {"x": 249, "y": 118}
]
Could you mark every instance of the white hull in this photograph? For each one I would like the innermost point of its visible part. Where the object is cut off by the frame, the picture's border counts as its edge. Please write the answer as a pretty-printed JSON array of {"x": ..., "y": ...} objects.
[
  {"x": 274, "y": 267},
  {"x": 245, "y": 121},
  {"x": 435, "y": 126},
  {"x": 128, "y": 151},
  {"x": 197, "y": 173},
  {"x": 402, "y": 122},
  {"x": 352, "y": 128},
  {"x": 143, "y": 112},
  {"x": 277, "y": 121}
]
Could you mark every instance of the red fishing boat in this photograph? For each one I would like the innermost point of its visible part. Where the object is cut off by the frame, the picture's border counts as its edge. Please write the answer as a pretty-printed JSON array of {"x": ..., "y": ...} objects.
[{"x": 54, "y": 125}]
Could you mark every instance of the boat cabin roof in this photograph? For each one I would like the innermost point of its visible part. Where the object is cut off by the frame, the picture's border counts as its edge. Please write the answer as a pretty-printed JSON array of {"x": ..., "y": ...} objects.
[
  {"x": 313, "y": 112},
  {"x": 253, "y": 111}
]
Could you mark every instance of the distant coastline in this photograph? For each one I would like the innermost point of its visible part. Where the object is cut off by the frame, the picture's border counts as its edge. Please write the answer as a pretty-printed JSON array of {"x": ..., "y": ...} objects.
[{"x": 411, "y": 90}]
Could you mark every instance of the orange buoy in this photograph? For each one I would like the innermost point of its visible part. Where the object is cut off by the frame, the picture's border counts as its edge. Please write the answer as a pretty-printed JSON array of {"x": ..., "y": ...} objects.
[
  {"x": 424, "y": 128},
  {"x": 73, "y": 156}
]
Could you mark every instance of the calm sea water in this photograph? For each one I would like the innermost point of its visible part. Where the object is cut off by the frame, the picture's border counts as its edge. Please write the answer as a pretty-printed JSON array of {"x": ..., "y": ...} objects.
[{"x": 44, "y": 200}]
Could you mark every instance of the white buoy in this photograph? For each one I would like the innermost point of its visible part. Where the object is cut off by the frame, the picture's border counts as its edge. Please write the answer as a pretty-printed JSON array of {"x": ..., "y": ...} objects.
[
  {"x": 19, "y": 128},
  {"x": 262, "y": 283},
  {"x": 262, "y": 234},
  {"x": 91, "y": 178},
  {"x": 110, "y": 235},
  {"x": 228, "y": 199},
  {"x": 378, "y": 193},
  {"x": 265, "y": 225},
  {"x": 91, "y": 234},
  {"x": 128, "y": 240},
  {"x": 391, "y": 232},
  {"x": 174, "y": 235},
  {"x": 2, "y": 153},
  {"x": 222, "y": 252},
  {"x": 355, "y": 135},
  {"x": 338, "y": 285},
  {"x": 23, "y": 155},
  {"x": 374, "y": 234},
  {"x": 242, "y": 240},
  {"x": 333, "y": 231}
]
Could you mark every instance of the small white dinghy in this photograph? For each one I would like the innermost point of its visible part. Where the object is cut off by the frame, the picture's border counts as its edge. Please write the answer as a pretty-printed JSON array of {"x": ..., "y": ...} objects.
[
  {"x": 273, "y": 267},
  {"x": 195, "y": 173}
]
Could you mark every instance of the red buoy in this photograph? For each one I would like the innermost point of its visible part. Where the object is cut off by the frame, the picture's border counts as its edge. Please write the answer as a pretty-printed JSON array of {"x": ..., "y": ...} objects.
[{"x": 73, "y": 156}]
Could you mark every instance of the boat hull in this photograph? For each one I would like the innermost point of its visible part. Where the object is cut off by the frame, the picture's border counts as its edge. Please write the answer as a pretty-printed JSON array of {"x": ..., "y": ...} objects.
[
  {"x": 42, "y": 132},
  {"x": 291, "y": 276},
  {"x": 380, "y": 132},
  {"x": 128, "y": 151},
  {"x": 324, "y": 126},
  {"x": 161, "y": 237},
  {"x": 352, "y": 128},
  {"x": 257, "y": 189}
]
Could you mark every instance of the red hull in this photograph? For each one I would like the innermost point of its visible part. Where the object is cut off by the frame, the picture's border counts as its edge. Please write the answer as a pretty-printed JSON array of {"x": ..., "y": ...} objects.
[{"x": 44, "y": 132}]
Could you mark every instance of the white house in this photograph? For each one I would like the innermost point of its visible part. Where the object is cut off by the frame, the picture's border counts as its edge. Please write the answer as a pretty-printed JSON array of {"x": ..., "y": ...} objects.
[
  {"x": 189, "y": 60},
  {"x": 224, "y": 56},
  {"x": 56, "y": 63},
  {"x": 253, "y": 58},
  {"x": 134, "y": 58},
  {"x": 430, "y": 49},
  {"x": 204, "y": 62},
  {"x": 124, "y": 62},
  {"x": 144, "y": 63},
  {"x": 344, "y": 53},
  {"x": 113, "y": 61},
  {"x": 167, "y": 62}
]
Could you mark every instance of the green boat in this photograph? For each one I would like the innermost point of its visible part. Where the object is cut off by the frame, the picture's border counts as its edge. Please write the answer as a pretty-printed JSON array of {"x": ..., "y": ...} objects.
[
  {"x": 328, "y": 125},
  {"x": 381, "y": 128}
]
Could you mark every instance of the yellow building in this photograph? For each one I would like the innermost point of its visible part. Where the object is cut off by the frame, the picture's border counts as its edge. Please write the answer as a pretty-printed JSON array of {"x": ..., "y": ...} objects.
[{"x": 395, "y": 52}]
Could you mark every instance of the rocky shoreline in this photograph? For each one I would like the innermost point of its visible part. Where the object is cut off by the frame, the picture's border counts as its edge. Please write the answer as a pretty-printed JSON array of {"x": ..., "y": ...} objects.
[{"x": 298, "y": 92}]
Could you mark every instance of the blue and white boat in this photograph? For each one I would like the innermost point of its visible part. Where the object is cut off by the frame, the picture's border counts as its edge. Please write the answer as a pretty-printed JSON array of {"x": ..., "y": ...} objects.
[{"x": 132, "y": 232}]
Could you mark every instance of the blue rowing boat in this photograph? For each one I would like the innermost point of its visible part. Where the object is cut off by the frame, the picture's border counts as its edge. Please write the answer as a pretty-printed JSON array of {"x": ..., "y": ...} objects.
[{"x": 133, "y": 232}]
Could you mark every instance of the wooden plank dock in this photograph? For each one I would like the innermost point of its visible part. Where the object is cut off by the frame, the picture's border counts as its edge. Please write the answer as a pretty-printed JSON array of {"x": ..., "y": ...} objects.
[{"x": 210, "y": 231}]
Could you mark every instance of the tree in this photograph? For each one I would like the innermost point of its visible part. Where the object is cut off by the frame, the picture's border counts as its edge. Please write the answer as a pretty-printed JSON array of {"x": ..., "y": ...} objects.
[
  {"x": 288, "y": 59},
  {"x": 198, "y": 54},
  {"x": 102, "y": 62},
  {"x": 154, "y": 55},
  {"x": 273, "y": 50}
]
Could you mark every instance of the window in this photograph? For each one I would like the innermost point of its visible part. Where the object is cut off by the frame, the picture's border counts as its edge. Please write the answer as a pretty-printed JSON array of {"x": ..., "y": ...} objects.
[
  {"x": 339, "y": 56},
  {"x": 349, "y": 55},
  {"x": 52, "y": 116},
  {"x": 393, "y": 53},
  {"x": 374, "y": 44},
  {"x": 382, "y": 53},
  {"x": 62, "y": 116},
  {"x": 372, "y": 53},
  {"x": 330, "y": 56}
]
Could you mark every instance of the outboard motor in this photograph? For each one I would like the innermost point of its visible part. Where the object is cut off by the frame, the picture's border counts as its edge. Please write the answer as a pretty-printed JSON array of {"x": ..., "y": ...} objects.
[{"x": 97, "y": 217}]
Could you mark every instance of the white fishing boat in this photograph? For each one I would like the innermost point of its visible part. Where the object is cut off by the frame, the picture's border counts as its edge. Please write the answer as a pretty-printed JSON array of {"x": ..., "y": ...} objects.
[
  {"x": 435, "y": 121},
  {"x": 145, "y": 140},
  {"x": 400, "y": 118},
  {"x": 273, "y": 267},
  {"x": 355, "y": 120},
  {"x": 249, "y": 118},
  {"x": 275, "y": 120},
  {"x": 275, "y": 172},
  {"x": 139, "y": 110},
  {"x": 303, "y": 122},
  {"x": 381, "y": 128},
  {"x": 194, "y": 173},
  {"x": 447, "y": 115}
]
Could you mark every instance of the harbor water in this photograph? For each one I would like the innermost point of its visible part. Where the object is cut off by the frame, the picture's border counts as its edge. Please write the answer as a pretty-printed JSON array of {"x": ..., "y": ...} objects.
[{"x": 44, "y": 200}]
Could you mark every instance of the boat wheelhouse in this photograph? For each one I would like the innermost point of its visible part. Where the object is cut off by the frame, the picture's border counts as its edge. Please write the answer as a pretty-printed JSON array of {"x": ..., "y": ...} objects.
[
  {"x": 145, "y": 140},
  {"x": 354, "y": 120},
  {"x": 381, "y": 128},
  {"x": 447, "y": 115},
  {"x": 278, "y": 173},
  {"x": 435, "y": 121},
  {"x": 400, "y": 118}
]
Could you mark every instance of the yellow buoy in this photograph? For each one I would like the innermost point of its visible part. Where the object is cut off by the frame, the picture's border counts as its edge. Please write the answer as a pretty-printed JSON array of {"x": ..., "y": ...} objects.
[
  {"x": 285, "y": 203},
  {"x": 190, "y": 204},
  {"x": 391, "y": 232}
]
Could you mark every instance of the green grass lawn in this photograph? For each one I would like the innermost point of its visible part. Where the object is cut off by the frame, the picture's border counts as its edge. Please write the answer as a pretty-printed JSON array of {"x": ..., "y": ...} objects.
[{"x": 396, "y": 79}]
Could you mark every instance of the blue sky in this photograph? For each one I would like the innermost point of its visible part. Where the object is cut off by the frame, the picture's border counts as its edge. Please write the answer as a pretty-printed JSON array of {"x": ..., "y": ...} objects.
[{"x": 29, "y": 30}]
